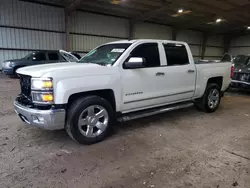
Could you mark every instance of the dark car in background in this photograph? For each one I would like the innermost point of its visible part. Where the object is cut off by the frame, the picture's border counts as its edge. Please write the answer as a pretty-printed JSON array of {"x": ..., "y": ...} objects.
[
  {"x": 241, "y": 71},
  {"x": 9, "y": 67}
]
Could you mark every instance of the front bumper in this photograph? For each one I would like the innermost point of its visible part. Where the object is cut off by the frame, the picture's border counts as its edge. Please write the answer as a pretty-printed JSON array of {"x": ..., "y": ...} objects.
[
  {"x": 7, "y": 71},
  {"x": 53, "y": 119}
]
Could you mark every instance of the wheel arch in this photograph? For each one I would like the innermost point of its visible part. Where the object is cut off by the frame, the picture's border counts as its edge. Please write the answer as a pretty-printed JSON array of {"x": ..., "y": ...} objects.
[
  {"x": 107, "y": 94},
  {"x": 216, "y": 80}
]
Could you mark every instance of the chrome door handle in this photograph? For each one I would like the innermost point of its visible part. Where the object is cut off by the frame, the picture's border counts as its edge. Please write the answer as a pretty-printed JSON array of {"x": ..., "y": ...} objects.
[
  {"x": 160, "y": 74},
  {"x": 190, "y": 71}
]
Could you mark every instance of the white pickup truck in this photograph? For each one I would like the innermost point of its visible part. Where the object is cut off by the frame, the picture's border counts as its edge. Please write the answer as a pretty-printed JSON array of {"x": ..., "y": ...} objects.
[{"x": 121, "y": 81}]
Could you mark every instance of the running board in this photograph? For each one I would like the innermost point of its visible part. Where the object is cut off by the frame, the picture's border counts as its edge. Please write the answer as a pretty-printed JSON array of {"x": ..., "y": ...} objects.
[{"x": 150, "y": 112}]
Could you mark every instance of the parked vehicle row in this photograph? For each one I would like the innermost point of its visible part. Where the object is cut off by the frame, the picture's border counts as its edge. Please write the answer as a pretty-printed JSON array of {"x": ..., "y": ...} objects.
[
  {"x": 9, "y": 67},
  {"x": 121, "y": 81}
]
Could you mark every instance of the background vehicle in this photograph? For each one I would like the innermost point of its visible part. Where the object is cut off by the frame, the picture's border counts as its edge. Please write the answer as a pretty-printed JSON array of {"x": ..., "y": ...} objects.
[
  {"x": 121, "y": 80},
  {"x": 241, "y": 72},
  {"x": 9, "y": 67}
]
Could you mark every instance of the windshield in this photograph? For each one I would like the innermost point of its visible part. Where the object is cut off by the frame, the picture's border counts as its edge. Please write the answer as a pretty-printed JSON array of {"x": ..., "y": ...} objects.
[
  {"x": 106, "y": 54},
  {"x": 241, "y": 60}
]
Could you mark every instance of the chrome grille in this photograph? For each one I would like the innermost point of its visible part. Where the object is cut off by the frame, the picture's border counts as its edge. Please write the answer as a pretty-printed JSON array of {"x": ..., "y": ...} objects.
[
  {"x": 25, "y": 83},
  {"x": 241, "y": 77}
]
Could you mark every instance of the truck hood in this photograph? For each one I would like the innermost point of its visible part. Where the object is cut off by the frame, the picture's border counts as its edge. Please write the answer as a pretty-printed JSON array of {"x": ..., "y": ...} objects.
[{"x": 69, "y": 68}]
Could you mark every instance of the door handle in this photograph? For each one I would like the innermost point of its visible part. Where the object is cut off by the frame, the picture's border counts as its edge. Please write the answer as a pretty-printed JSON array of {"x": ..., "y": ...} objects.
[
  {"x": 160, "y": 74},
  {"x": 190, "y": 71}
]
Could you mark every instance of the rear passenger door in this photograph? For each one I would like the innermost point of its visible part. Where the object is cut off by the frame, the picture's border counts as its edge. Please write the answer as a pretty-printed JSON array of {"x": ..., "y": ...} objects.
[{"x": 180, "y": 73}]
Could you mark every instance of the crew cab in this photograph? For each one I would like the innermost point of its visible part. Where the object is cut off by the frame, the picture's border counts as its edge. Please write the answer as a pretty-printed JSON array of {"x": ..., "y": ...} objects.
[{"x": 121, "y": 80}]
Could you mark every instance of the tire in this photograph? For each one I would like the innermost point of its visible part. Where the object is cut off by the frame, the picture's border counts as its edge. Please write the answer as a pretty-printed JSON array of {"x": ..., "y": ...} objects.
[
  {"x": 203, "y": 103},
  {"x": 85, "y": 110}
]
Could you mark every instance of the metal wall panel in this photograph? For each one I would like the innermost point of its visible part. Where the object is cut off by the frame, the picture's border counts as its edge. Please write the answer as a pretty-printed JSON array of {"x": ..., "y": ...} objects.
[
  {"x": 29, "y": 39},
  {"x": 216, "y": 40},
  {"x": 240, "y": 45},
  {"x": 85, "y": 43},
  {"x": 12, "y": 54},
  {"x": 88, "y": 23},
  {"x": 213, "y": 51},
  {"x": 151, "y": 31},
  {"x": 196, "y": 59},
  {"x": 239, "y": 51},
  {"x": 189, "y": 36},
  {"x": 196, "y": 50},
  {"x": 241, "y": 41},
  {"x": 25, "y": 14}
]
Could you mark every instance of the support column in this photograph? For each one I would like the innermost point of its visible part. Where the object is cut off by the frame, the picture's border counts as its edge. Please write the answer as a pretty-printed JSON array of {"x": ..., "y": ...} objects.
[
  {"x": 67, "y": 30},
  {"x": 227, "y": 41},
  {"x": 174, "y": 33},
  {"x": 204, "y": 42},
  {"x": 131, "y": 29}
]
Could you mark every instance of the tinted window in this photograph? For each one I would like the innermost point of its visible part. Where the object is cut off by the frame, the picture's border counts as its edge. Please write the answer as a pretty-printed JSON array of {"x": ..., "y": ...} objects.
[
  {"x": 176, "y": 54},
  {"x": 53, "y": 56},
  {"x": 76, "y": 54},
  {"x": 240, "y": 60},
  {"x": 226, "y": 58},
  {"x": 150, "y": 52},
  {"x": 39, "y": 56}
]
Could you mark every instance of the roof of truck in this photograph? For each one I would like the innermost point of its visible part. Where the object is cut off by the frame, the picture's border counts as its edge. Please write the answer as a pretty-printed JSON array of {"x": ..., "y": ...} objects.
[{"x": 146, "y": 40}]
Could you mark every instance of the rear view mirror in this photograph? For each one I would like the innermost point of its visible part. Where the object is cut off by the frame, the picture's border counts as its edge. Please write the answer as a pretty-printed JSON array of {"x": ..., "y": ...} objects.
[{"x": 135, "y": 63}]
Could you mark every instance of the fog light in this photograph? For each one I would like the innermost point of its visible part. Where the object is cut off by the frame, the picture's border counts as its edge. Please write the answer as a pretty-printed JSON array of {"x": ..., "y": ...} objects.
[
  {"x": 37, "y": 119},
  {"x": 47, "y": 97}
]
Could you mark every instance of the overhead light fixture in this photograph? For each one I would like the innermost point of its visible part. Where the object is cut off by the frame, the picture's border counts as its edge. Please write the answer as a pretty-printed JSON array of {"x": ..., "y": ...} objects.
[
  {"x": 248, "y": 27},
  {"x": 180, "y": 11},
  {"x": 218, "y": 20},
  {"x": 115, "y": 2}
]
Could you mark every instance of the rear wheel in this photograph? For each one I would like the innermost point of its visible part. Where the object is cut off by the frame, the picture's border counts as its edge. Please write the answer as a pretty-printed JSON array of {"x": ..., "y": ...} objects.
[
  {"x": 211, "y": 99},
  {"x": 89, "y": 119}
]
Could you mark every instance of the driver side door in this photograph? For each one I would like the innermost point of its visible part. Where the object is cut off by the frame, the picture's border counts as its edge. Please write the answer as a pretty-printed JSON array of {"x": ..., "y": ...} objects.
[{"x": 142, "y": 87}]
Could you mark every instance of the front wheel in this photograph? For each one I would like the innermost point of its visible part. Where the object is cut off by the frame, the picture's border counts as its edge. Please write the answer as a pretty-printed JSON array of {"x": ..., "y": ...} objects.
[
  {"x": 211, "y": 99},
  {"x": 89, "y": 119}
]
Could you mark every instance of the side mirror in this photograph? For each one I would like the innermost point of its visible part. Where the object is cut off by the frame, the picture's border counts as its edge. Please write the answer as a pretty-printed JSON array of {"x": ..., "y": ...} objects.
[{"x": 135, "y": 63}]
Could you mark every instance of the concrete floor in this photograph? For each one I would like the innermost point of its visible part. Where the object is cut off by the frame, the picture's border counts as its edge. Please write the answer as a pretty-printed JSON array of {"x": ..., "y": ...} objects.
[{"x": 186, "y": 148}]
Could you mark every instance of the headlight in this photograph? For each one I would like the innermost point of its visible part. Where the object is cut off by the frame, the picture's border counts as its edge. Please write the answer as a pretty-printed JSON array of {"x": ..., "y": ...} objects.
[
  {"x": 43, "y": 97},
  {"x": 41, "y": 84},
  {"x": 8, "y": 64}
]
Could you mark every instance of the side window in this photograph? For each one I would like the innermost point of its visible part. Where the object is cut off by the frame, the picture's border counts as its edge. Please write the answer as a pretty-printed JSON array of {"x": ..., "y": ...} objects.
[
  {"x": 176, "y": 54},
  {"x": 40, "y": 56},
  {"x": 148, "y": 51},
  {"x": 53, "y": 56}
]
